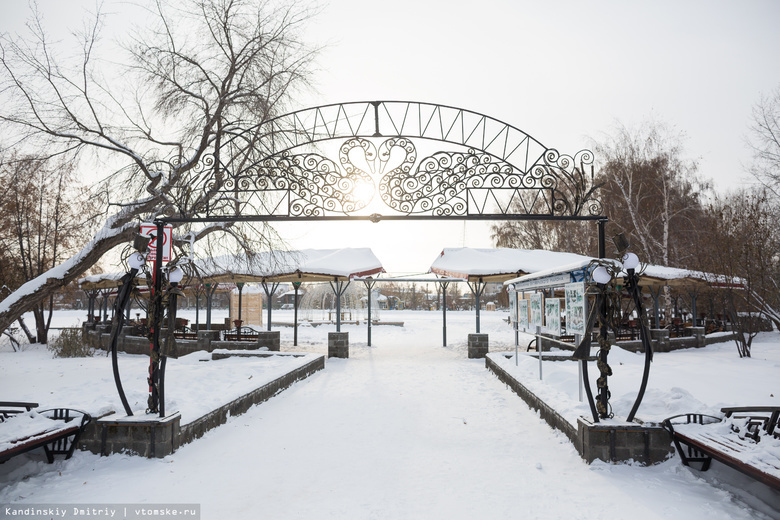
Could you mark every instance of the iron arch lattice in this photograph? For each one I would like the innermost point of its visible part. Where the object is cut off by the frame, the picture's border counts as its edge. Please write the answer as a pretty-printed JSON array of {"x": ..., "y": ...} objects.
[{"x": 387, "y": 160}]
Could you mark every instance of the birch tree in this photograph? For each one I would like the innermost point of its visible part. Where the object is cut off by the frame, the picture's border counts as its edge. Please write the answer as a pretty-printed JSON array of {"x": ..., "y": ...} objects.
[
  {"x": 163, "y": 113},
  {"x": 764, "y": 141},
  {"x": 652, "y": 192}
]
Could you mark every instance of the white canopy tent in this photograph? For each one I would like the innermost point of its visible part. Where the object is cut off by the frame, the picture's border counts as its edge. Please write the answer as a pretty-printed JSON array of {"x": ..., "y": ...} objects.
[
  {"x": 481, "y": 266},
  {"x": 336, "y": 266}
]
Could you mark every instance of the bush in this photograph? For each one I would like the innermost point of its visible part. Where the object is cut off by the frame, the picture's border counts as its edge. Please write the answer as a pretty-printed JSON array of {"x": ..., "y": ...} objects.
[{"x": 70, "y": 344}]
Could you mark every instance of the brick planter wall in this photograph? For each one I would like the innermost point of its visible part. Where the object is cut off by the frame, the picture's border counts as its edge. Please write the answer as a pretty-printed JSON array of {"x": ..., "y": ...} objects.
[
  {"x": 150, "y": 436},
  {"x": 644, "y": 443}
]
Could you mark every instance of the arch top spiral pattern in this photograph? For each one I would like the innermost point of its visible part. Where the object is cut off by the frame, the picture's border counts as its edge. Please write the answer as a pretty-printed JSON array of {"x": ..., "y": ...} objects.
[{"x": 385, "y": 164}]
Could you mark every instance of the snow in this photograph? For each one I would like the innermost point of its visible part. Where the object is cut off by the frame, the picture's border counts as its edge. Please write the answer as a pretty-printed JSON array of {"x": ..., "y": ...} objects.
[
  {"x": 403, "y": 429},
  {"x": 463, "y": 262},
  {"x": 346, "y": 263}
]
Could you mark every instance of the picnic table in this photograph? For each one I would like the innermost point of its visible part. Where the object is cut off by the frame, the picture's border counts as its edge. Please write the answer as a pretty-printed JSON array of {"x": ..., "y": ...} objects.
[
  {"x": 745, "y": 438},
  {"x": 23, "y": 428}
]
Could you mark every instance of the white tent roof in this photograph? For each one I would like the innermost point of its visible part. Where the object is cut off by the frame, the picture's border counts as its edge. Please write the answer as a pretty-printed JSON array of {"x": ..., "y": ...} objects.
[
  {"x": 498, "y": 265},
  {"x": 287, "y": 266}
]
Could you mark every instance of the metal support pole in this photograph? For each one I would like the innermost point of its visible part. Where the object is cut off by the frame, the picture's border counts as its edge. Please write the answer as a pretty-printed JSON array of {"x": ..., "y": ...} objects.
[
  {"x": 539, "y": 348},
  {"x": 122, "y": 299},
  {"x": 297, "y": 287},
  {"x": 369, "y": 289},
  {"x": 209, "y": 295},
  {"x": 444, "y": 286},
  {"x": 339, "y": 288},
  {"x": 338, "y": 306},
  {"x": 154, "y": 361},
  {"x": 633, "y": 281},
  {"x": 656, "y": 306},
  {"x": 577, "y": 339},
  {"x": 198, "y": 291},
  {"x": 240, "y": 286},
  {"x": 603, "y": 387},
  {"x": 270, "y": 297},
  {"x": 517, "y": 329},
  {"x": 477, "y": 288},
  {"x": 105, "y": 305}
]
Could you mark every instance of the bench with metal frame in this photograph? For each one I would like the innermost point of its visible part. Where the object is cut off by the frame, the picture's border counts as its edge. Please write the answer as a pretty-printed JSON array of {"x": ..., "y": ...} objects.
[
  {"x": 58, "y": 440},
  {"x": 699, "y": 439},
  {"x": 242, "y": 334}
]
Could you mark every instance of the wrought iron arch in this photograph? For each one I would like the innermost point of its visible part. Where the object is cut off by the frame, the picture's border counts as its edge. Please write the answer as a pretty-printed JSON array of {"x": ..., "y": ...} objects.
[
  {"x": 282, "y": 170},
  {"x": 374, "y": 160}
]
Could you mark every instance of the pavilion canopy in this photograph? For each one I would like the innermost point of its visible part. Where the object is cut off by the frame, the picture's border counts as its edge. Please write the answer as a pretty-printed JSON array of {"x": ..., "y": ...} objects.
[
  {"x": 499, "y": 265},
  {"x": 651, "y": 276},
  {"x": 305, "y": 265},
  {"x": 106, "y": 280}
]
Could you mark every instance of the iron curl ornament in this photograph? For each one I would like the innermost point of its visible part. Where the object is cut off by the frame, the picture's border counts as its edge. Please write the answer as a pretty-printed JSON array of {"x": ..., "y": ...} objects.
[{"x": 440, "y": 184}]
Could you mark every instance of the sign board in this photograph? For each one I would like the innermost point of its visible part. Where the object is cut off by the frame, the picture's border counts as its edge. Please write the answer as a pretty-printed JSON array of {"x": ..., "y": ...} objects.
[
  {"x": 522, "y": 314},
  {"x": 513, "y": 307},
  {"x": 576, "y": 308},
  {"x": 552, "y": 316},
  {"x": 536, "y": 302},
  {"x": 150, "y": 230},
  {"x": 555, "y": 280}
]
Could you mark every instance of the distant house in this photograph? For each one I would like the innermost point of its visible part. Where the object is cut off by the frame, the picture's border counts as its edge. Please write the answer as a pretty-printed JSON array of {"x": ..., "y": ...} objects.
[
  {"x": 379, "y": 298},
  {"x": 287, "y": 300}
]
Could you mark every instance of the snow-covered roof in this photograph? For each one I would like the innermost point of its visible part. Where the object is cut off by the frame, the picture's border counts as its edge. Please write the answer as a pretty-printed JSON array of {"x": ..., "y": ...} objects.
[
  {"x": 305, "y": 265},
  {"x": 498, "y": 265},
  {"x": 653, "y": 275},
  {"x": 106, "y": 280}
]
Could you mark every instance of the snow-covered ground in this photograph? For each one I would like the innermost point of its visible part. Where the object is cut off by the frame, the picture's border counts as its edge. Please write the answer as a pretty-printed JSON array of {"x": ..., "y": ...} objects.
[{"x": 402, "y": 429}]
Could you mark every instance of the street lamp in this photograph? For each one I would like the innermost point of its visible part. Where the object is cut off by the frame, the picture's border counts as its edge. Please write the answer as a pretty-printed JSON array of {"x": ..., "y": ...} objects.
[
  {"x": 630, "y": 261},
  {"x": 601, "y": 275}
]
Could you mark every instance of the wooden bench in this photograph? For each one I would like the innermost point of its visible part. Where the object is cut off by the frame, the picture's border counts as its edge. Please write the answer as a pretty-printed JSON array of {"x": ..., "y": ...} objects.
[
  {"x": 734, "y": 440},
  {"x": 246, "y": 334},
  {"x": 23, "y": 429},
  {"x": 185, "y": 334}
]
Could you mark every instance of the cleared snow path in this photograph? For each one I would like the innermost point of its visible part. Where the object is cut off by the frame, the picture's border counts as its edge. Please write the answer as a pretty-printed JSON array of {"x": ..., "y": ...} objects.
[{"x": 394, "y": 432}]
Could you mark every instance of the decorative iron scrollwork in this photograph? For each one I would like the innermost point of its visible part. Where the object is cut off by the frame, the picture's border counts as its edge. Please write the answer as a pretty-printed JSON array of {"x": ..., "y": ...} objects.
[{"x": 441, "y": 184}]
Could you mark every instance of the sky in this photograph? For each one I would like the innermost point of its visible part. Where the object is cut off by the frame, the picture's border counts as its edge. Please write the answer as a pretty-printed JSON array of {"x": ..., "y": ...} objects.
[{"x": 565, "y": 72}]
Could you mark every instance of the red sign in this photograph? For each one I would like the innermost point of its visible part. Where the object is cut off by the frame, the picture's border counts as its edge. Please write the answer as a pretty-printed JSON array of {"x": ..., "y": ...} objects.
[{"x": 150, "y": 230}]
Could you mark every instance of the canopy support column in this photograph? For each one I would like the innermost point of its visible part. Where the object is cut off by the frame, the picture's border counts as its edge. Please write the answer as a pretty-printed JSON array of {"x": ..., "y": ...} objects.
[
  {"x": 210, "y": 290},
  {"x": 444, "y": 286},
  {"x": 339, "y": 288},
  {"x": 478, "y": 288},
  {"x": 297, "y": 287},
  {"x": 369, "y": 288},
  {"x": 239, "y": 322},
  {"x": 270, "y": 295},
  {"x": 656, "y": 306}
]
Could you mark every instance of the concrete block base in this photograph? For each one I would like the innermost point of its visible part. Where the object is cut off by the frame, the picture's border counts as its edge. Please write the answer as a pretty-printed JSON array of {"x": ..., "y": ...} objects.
[
  {"x": 146, "y": 435},
  {"x": 478, "y": 346},
  {"x": 644, "y": 443},
  {"x": 338, "y": 344},
  {"x": 270, "y": 339}
]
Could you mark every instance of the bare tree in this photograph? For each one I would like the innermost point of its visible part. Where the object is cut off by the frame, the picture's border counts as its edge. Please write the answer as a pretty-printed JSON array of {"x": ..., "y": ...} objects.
[
  {"x": 574, "y": 192},
  {"x": 43, "y": 218},
  {"x": 765, "y": 141},
  {"x": 170, "y": 110},
  {"x": 571, "y": 236},
  {"x": 742, "y": 255},
  {"x": 651, "y": 192}
]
